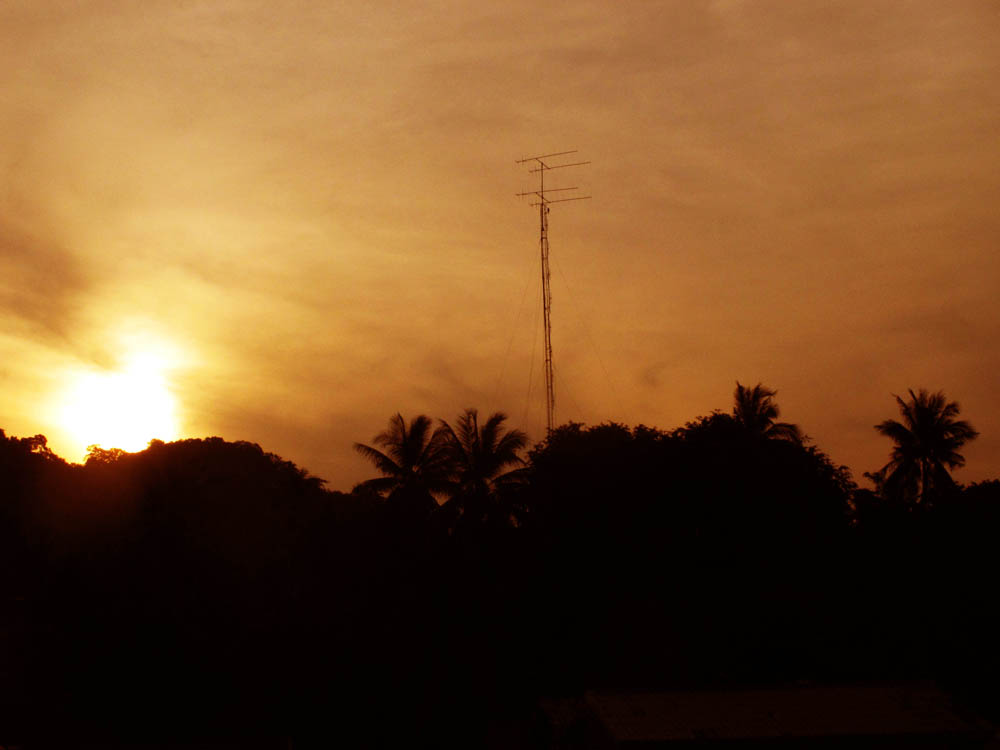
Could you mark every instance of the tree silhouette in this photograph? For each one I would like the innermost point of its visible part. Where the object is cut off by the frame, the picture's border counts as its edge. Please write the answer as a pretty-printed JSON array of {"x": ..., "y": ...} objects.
[
  {"x": 98, "y": 455},
  {"x": 756, "y": 412},
  {"x": 480, "y": 459},
  {"x": 927, "y": 442},
  {"x": 412, "y": 459}
]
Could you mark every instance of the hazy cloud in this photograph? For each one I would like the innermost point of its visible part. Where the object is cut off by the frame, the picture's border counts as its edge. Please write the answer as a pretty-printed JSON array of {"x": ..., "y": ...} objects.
[
  {"x": 41, "y": 285},
  {"x": 314, "y": 203}
]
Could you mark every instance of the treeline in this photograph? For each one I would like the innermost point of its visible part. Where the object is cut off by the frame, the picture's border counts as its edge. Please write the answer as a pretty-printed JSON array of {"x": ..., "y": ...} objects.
[{"x": 204, "y": 587}]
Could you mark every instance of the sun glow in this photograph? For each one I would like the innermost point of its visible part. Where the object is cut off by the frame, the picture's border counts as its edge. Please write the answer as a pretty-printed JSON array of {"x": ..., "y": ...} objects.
[{"x": 121, "y": 409}]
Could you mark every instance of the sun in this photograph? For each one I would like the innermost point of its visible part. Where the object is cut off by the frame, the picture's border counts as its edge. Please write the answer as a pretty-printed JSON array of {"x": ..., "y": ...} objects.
[{"x": 121, "y": 409}]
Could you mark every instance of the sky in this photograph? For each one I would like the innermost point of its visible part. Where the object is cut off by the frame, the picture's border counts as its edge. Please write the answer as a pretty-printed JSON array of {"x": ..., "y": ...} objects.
[{"x": 302, "y": 217}]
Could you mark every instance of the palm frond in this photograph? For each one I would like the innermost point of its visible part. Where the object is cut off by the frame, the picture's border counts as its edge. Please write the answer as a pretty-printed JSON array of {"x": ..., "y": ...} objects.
[
  {"x": 413, "y": 455},
  {"x": 478, "y": 452},
  {"x": 756, "y": 411},
  {"x": 417, "y": 439},
  {"x": 490, "y": 432},
  {"x": 895, "y": 431},
  {"x": 508, "y": 446},
  {"x": 926, "y": 445},
  {"x": 381, "y": 485},
  {"x": 382, "y": 462},
  {"x": 785, "y": 431}
]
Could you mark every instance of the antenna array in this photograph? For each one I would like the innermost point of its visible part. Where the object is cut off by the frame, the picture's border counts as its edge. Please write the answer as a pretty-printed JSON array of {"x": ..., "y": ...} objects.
[{"x": 542, "y": 165}]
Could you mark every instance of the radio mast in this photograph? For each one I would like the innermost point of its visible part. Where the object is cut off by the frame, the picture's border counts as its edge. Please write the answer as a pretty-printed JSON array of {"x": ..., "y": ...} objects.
[{"x": 541, "y": 166}]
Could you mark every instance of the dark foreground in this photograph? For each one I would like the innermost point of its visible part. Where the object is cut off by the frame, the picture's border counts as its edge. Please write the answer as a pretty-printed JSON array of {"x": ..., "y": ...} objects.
[{"x": 208, "y": 591}]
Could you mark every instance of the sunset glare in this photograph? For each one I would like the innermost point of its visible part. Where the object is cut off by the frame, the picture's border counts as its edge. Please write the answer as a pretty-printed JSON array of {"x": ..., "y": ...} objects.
[{"x": 124, "y": 409}]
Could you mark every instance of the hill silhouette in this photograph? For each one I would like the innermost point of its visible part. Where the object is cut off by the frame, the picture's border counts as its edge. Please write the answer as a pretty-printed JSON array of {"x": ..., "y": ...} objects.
[{"x": 206, "y": 588}]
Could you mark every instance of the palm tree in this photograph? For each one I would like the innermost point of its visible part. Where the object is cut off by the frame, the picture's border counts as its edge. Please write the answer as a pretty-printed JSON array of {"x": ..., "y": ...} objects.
[
  {"x": 481, "y": 458},
  {"x": 412, "y": 459},
  {"x": 755, "y": 411},
  {"x": 927, "y": 442}
]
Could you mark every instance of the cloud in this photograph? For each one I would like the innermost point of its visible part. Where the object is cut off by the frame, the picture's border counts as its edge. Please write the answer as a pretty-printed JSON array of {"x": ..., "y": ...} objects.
[
  {"x": 41, "y": 285},
  {"x": 314, "y": 201}
]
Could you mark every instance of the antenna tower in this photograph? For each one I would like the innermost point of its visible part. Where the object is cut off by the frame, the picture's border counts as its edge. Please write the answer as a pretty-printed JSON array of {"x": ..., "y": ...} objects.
[{"x": 541, "y": 165}]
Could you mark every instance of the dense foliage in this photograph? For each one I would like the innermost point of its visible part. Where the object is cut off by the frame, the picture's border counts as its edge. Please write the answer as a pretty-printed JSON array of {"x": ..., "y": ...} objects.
[{"x": 206, "y": 587}]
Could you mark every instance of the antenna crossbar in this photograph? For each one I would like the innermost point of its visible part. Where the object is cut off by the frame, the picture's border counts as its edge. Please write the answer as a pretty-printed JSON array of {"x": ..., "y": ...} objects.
[
  {"x": 546, "y": 167},
  {"x": 544, "y": 156},
  {"x": 544, "y": 201},
  {"x": 547, "y": 190}
]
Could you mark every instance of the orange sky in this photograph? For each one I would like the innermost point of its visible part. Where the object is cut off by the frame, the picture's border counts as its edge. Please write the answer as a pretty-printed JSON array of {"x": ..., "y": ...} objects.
[{"x": 309, "y": 207}]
